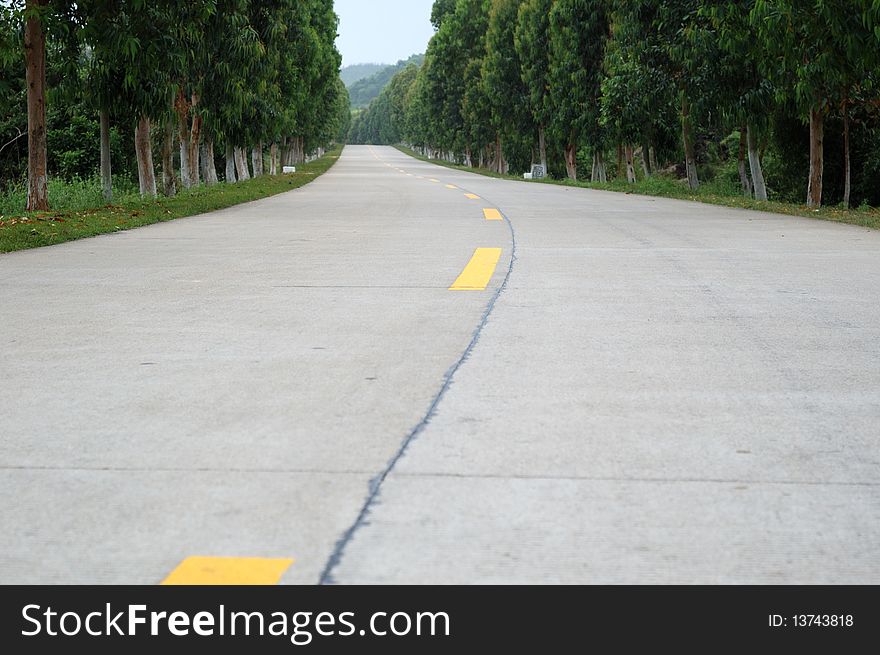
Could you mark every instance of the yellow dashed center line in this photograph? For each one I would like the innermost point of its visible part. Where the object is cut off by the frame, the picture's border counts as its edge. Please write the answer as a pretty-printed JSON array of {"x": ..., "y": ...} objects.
[
  {"x": 471, "y": 196},
  {"x": 479, "y": 271},
  {"x": 451, "y": 186},
  {"x": 433, "y": 180},
  {"x": 492, "y": 215},
  {"x": 228, "y": 571}
]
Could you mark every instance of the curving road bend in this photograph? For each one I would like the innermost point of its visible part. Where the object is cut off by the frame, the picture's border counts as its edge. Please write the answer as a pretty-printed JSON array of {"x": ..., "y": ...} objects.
[{"x": 381, "y": 380}]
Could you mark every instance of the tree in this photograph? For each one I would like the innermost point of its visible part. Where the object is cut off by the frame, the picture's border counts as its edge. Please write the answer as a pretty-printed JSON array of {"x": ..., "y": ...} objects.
[
  {"x": 532, "y": 42},
  {"x": 102, "y": 39},
  {"x": 502, "y": 78},
  {"x": 451, "y": 87},
  {"x": 143, "y": 44},
  {"x": 579, "y": 32},
  {"x": 818, "y": 54},
  {"x": 35, "y": 71},
  {"x": 746, "y": 93},
  {"x": 629, "y": 106}
]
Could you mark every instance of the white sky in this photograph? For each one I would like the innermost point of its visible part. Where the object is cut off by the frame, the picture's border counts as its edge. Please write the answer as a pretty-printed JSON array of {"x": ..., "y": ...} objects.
[{"x": 382, "y": 31}]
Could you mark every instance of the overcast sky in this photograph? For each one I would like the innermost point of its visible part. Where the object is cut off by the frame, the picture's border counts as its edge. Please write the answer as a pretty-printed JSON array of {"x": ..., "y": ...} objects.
[{"x": 382, "y": 31}]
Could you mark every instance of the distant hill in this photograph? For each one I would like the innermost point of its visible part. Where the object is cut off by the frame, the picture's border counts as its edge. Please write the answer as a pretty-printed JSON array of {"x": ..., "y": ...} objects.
[
  {"x": 364, "y": 90},
  {"x": 355, "y": 72}
]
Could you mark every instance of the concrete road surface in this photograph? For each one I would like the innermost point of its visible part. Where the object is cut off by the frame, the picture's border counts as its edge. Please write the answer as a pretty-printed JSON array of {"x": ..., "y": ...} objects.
[{"x": 616, "y": 389}]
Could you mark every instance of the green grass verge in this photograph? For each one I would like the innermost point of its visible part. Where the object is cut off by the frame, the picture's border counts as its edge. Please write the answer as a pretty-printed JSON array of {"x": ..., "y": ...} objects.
[
  {"x": 22, "y": 230},
  {"x": 669, "y": 188}
]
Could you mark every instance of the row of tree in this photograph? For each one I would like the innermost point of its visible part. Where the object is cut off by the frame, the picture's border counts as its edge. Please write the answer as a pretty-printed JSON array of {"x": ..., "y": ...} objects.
[
  {"x": 528, "y": 80},
  {"x": 258, "y": 75}
]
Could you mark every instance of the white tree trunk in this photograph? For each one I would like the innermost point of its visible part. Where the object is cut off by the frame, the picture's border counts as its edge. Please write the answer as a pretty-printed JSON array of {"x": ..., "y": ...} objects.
[
  {"x": 630, "y": 164},
  {"x": 241, "y": 166},
  {"x": 106, "y": 172},
  {"x": 273, "y": 162},
  {"x": 230, "y": 164},
  {"x": 203, "y": 160},
  {"x": 542, "y": 147},
  {"x": 183, "y": 139},
  {"x": 169, "y": 181},
  {"x": 755, "y": 165},
  {"x": 208, "y": 159},
  {"x": 602, "y": 175},
  {"x": 144, "y": 152},
  {"x": 257, "y": 159}
]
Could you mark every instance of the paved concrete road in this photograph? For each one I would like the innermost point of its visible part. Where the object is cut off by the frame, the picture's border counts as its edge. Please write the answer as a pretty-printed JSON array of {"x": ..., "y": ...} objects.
[{"x": 646, "y": 390}]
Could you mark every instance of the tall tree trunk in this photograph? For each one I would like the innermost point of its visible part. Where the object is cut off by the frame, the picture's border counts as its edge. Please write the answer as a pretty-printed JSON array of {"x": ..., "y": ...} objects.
[
  {"x": 619, "y": 161},
  {"x": 203, "y": 160},
  {"x": 257, "y": 159},
  {"x": 206, "y": 161},
  {"x": 194, "y": 139},
  {"x": 646, "y": 168},
  {"x": 291, "y": 152},
  {"x": 499, "y": 155},
  {"x": 230, "y": 164},
  {"x": 241, "y": 166},
  {"x": 687, "y": 132},
  {"x": 847, "y": 182},
  {"x": 744, "y": 182},
  {"x": 284, "y": 154},
  {"x": 601, "y": 173},
  {"x": 542, "y": 147},
  {"x": 817, "y": 146},
  {"x": 211, "y": 167},
  {"x": 144, "y": 151},
  {"x": 652, "y": 157},
  {"x": 594, "y": 173},
  {"x": 571, "y": 161},
  {"x": 183, "y": 139},
  {"x": 273, "y": 163},
  {"x": 630, "y": 165},
  {"x": 35, "y": 79},
  {"x": 106, "y": 172},
  {"x": 757, "y": 172},
  {"x": 169, "y": 181}
]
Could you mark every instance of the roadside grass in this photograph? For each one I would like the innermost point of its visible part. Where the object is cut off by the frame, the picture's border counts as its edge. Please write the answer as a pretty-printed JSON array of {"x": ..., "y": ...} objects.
[
  {"x": 715, "y": 192},
  {"x": 79, "y": 209}
]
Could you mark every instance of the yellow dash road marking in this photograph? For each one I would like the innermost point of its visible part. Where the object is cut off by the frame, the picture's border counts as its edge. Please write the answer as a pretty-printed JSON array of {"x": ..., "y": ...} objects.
[
  {"x": 433, "y": 180},
  {"x": 492, "y": 215},
  {"x": 451, "y": 186},
  {"x": 478, "y": 272},
  {"x": 228, "y": 571},
  {"x": 471, "y": 196}
]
